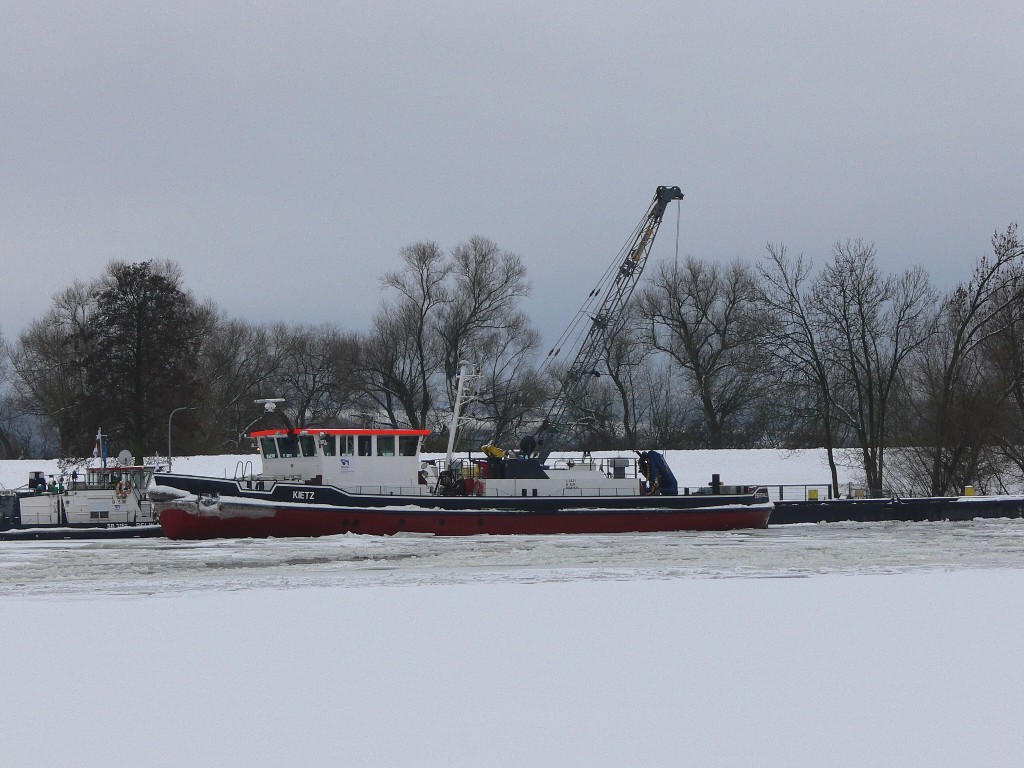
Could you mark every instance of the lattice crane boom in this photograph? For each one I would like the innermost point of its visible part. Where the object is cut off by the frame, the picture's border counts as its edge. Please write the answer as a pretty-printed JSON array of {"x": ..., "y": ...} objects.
[{"x": 607, "y": 318}]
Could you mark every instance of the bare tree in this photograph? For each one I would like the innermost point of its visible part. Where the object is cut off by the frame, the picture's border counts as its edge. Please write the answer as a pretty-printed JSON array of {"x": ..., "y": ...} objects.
[
  {"x": 673, "y": 418},
  {"x": 405, "y": 372},
  {"x": 705, "y": 318},
  {"x": 872, "y": 324},
  {"x": 15, "y": 439},
  {"x": 952, "y": 386},
  {"x": 511, "y": 388},
  {"x": 626, "y": 359},
  {"x": 446, "y": 309},
  {"x": 240, "y": 364},
  {"x": 609, "y": 411},
  {"x": 485, "y": 287},
  {"x": 315, "y": 372},
  {"x": 1005, "y": 351},
  {"x": 50, "y": 369},
  {"x": 391, "y": 368},
  {"x": 796, "y": 329}
]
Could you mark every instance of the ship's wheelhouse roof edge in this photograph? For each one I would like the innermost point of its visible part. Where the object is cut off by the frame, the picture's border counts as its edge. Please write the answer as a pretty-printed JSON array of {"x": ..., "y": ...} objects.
[{"x": 282, "y": 432}]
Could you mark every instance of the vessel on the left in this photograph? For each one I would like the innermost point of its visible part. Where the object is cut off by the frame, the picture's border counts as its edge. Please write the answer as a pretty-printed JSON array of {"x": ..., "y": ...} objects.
[{"x": 86, "y": 500}]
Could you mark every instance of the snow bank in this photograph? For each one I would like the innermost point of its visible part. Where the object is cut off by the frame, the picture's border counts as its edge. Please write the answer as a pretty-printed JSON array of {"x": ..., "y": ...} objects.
[{"x": 767, "y": 466}]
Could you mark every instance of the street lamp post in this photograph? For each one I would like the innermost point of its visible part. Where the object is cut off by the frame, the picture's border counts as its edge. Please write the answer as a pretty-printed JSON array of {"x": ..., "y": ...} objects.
[{"x": 169, "y": 419}]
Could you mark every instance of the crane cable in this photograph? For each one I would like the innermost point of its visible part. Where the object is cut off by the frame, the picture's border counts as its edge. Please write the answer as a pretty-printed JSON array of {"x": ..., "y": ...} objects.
[
  {"x": 572, "y": 337},
  {"x": 679, "y": 208}
]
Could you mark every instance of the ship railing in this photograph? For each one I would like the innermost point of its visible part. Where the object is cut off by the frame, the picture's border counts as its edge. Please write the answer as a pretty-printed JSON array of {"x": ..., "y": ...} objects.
[
  {"x": 618, "y": 467},
  {"x": 598, "y": 492},
  {"x": 527, "y": 490},
  {"x": 423, "y": 490},
  {"x": 610, "y": 466},
  {"x": 388, "y": 490},
  {"x": 244, "y": 470},
  {"x": 823, "y": 492},
  {"x": 800, "y": 492}
]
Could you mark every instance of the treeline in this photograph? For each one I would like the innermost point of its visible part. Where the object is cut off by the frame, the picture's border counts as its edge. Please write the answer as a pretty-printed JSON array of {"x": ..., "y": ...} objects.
[{"x": 929, "y": 387}]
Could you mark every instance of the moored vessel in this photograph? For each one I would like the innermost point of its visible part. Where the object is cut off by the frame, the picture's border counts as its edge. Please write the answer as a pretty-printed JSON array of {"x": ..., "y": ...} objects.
[
  {"x": 82, "y": 500},
  {"x": 319, "y": 482},
  {"x": 329, "y": 481}
]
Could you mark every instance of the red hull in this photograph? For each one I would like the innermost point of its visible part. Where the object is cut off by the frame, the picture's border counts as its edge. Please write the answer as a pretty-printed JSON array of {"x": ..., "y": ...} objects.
[{"x": 181, "y": 523}]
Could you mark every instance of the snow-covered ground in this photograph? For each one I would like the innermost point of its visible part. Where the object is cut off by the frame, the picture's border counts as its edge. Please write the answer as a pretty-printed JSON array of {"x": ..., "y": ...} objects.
[
  {"x": 840, "y": 645},
  {"x": 809, "y": 645}
]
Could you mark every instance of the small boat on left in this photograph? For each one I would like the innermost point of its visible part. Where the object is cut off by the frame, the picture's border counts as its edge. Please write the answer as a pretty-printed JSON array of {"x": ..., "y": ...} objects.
[{"x": 91, "y": 502}]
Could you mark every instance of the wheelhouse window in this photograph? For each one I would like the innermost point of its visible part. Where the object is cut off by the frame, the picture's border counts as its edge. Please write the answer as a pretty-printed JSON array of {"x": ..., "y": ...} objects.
[
  {"x": 328, "y": 443},
  {"x": 365, "y": 445},
  {"x": 102, "y": 477},
  {"x": 269, "y": 447},
  {"x": 347, "y": 445},
  {"x": 385, "y": 445},
  {"x": 140, "y": 478},
  {"x": 308, "y": 445},
  {"x": 288, "y": 447},
  {"x": 407, "y": 445}
]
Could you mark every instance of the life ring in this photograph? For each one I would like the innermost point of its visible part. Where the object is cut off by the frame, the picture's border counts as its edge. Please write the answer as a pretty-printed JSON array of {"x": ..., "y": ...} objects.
[{"x": 124, "y": 487}]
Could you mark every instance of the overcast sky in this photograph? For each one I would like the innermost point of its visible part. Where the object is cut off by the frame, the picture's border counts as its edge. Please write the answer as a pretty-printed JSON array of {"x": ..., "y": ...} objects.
[{"x": 283, "y": 153}]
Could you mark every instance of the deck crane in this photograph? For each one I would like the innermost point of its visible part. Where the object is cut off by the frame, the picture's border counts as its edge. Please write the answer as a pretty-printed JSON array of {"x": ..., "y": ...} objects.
[{"x": 609, "y": 298}]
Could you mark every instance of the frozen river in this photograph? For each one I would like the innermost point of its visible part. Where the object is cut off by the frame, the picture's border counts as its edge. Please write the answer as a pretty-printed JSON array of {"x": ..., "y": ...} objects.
[
  {"x": 154, "y": 566},
  {"x": 843, "y": 645}
]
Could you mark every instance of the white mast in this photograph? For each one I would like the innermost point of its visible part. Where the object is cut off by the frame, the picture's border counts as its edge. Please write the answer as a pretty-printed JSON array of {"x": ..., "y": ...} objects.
[{"x": 461, "y": 397}]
